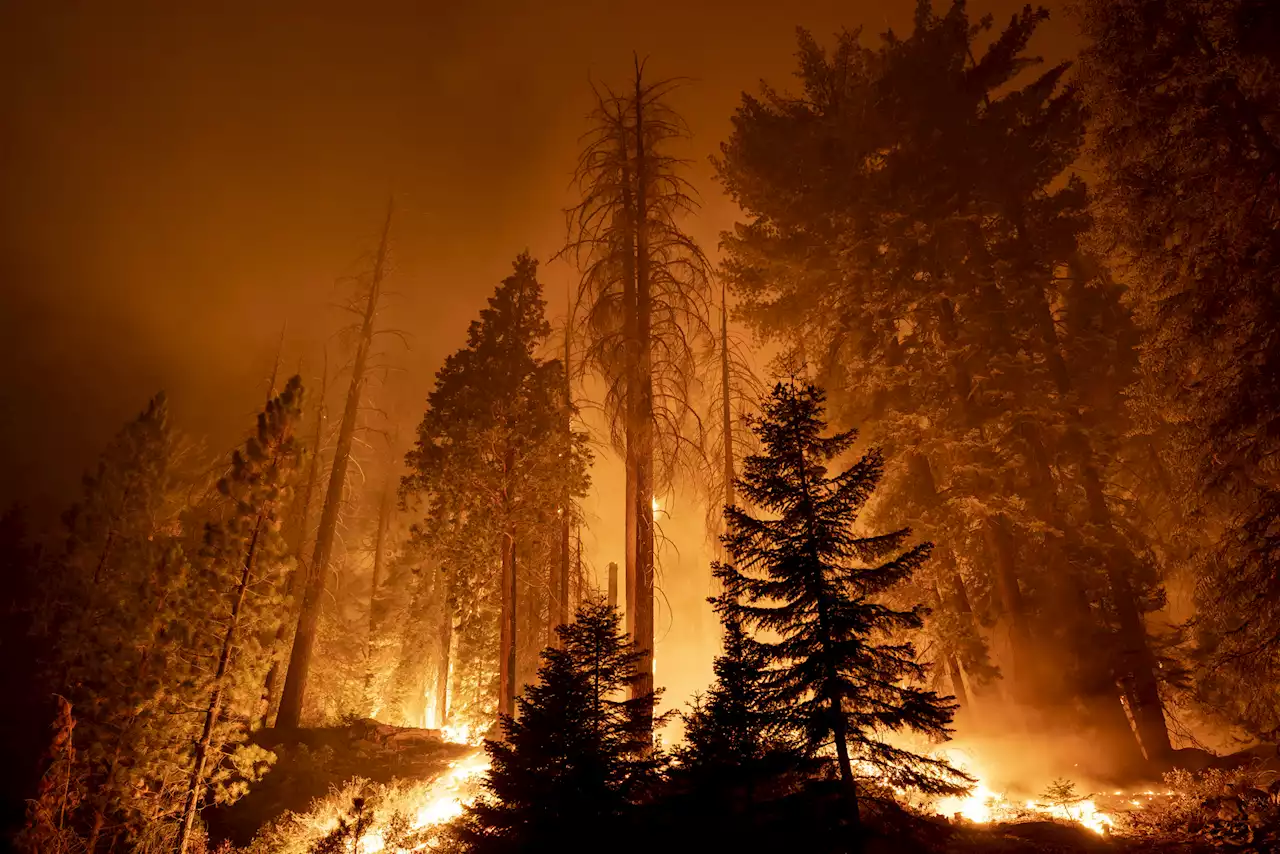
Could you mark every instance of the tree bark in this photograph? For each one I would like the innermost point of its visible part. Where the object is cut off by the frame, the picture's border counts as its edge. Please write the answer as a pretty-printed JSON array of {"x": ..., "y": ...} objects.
[
  {"x": 507, "y": 629},
  {"x": 1153, "y": 730},
  {"x": 957, "y": 682},
  {"x": 304, "y": 639},
  {"x": 446, "y": 641},
  {"x": 558, "y": 607},
  {"x": 847, "y": 780},
  {"x": 644, "y": 620},
  {"x": 1001, "y": 546},
  {"x": 379, "y": 560},
  {"x": 192, "y": 802},
  {"x": 726, "y": 414},
  {"x": 631, "y": 378}
]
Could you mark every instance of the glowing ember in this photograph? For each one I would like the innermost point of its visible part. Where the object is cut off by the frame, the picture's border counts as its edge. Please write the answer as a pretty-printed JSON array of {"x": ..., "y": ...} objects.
[
  {"x": 464, "y": 733},
  {"x": 439, "y": 803},
  {"x": 983, "y": 806}
]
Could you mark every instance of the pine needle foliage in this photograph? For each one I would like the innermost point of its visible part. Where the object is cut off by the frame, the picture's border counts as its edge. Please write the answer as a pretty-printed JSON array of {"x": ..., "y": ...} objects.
[
  {"x": 736, "y": 736},
  {"x": 813, "y": 591},
  {"x": 575, "y": 760},
  {"x": 1183, "y": 95}
]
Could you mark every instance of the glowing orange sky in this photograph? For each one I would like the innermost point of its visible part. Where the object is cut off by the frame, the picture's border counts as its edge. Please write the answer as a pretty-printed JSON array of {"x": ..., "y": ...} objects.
[{"x": 179, "y": 178}]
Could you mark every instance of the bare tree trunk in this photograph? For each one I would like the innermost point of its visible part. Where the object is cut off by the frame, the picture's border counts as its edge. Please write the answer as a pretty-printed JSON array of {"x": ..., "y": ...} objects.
[
  {"x": 850, "y": 784},
  {"x": 579, "y": 575},
  {"x": 957, "y": 682},
  {"x": 644, "y": 622},
  {"x": 558, "y": 593},
  {"x": 446, "y": 641},
  {"x": 951, "y": 662},
  {"x": 379, "y": 560},
  {"x": 507, "y": 630},
  {"x": 1000, "y": 544},
  {"x": 214, "y": 710},
  {"x": 613, "y": 585},
  {"x": 730, "y": 471},
  {"x": 1138, "y": 660},
  {"x": 631, "y": 369},
  {"x": 304, "y": 639}
]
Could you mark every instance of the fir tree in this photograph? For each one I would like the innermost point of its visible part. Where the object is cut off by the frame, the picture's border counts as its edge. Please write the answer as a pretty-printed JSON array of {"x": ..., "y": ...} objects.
[
  {"x": 737, "y": 737},
  {"x": 920, "y": 255},
  {"x": 1183, "y": 95},
  {"x": 113, "y": 600},
  {"x": 802, "y": 575},
  {"x": 576, "y": 759}
]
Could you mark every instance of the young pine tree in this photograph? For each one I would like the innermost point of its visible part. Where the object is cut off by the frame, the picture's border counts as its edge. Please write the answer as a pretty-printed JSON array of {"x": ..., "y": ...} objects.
[
  {"x": 736, "y": 736},
  {"x": 803, "y": 577},
  {"x": 576, "y": 758}
]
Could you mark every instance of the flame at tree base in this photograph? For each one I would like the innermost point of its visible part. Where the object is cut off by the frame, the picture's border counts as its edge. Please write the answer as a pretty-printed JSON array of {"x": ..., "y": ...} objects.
[
  {"x": 983, "y": 806},
  {"x": 435, "y": 804}
]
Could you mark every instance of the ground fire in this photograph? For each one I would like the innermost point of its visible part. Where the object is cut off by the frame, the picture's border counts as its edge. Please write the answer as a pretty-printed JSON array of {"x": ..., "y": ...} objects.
[{"x": 392, "y": 385}]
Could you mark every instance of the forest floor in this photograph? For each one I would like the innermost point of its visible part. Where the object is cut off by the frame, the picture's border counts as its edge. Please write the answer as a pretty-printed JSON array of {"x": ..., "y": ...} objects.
[
  {"x": 312, "y": 764},
  {"x": 318, "y": 773}
]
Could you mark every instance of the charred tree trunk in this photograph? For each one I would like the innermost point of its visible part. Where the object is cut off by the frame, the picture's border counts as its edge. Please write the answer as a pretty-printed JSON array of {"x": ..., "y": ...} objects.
[
  {"x": 196, "y": 783},
  {"x": 507, "y": 609},
  {"x": 726, "y": 413},
  {"x": 579, "y": 573},
  {"x": 1139, "y": 662},
  {"x": 379, "y": 561},
  {"x": 1004, "y": 551},
  {"x": 558, "y": 593},
  {"x": 643, "y": 426},
  {"x": 304, "y": 639},
  {"x": 630, "y": 333},
  {"x": 847, "y": 780},
  {"x": 507, "y": 635},
  {"x": 950, "y": 660},
  {"x": 445, "y": 642}
]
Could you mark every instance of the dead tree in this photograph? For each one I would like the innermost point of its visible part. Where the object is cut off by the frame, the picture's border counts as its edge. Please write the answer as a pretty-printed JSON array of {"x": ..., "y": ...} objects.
[
  {"x": 304, "y": 639},
  {"x": 643, "y": 301}
]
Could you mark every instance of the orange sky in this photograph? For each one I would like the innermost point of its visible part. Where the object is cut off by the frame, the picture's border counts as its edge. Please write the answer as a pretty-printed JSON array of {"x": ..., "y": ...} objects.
[{"x": 178, "y": 179}]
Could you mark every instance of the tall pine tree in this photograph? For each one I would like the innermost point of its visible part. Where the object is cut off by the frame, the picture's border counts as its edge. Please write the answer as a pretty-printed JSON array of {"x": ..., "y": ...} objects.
[
  {"x": 238, "y": 590},
  {"x": 801, "y": 574},
  {"x": 643, "y": 311},
  {"x": 919, "y": 254},
  {"x": 1183, "y": 95},
  {"x": 492, "y": 465}
]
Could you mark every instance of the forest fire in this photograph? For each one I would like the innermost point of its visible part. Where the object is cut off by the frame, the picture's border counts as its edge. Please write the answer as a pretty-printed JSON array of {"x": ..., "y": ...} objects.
[
  {"x": 435, "y": 804},
  {"x": 984, "y": 806},
  {"x": 957, "y": 445}
]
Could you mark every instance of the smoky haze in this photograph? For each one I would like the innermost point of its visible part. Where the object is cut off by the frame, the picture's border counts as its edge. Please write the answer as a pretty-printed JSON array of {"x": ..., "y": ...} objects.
[{"x": 181, "y": 179}]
